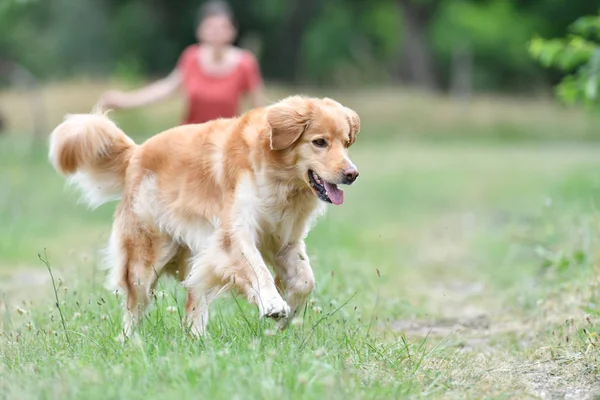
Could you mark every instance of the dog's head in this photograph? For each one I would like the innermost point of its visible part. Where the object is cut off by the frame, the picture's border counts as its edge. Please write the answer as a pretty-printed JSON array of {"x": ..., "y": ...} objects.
[{"x": 316, "y": 133}]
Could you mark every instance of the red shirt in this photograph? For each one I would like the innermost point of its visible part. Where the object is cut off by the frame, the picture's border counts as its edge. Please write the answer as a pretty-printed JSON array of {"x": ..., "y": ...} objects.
[{"x": 211, "y": 97}]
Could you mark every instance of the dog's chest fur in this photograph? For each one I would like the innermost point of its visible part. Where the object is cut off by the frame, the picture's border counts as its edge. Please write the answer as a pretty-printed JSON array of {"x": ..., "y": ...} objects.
[{"x": 285, "y": 212}]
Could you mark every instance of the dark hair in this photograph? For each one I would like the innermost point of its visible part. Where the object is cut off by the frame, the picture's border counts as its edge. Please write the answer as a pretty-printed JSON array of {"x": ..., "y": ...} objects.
[{"x": 216, "y": 7}]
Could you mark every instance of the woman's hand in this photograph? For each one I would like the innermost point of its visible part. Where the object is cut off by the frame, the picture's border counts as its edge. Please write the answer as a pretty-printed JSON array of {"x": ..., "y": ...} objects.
[{"x": 113, "y": 99}]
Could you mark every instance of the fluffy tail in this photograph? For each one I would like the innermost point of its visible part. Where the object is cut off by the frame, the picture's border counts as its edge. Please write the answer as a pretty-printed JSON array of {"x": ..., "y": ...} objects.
[{"x": 93, "y": 153}]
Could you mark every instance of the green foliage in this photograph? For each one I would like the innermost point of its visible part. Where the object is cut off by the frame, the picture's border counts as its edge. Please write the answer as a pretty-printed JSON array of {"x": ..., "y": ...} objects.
[
  {"x": 350, "y": 42},
  {"x": 578, "y": 54},
  {"x": 380, "y": 24},
  {"x": 500, "y": 55},
  {"x": 344, "y": 42},
  {"x": 133, "y": 38},
  {"x": 324, "y": 57},
  {"x": 129, "y": 70}
]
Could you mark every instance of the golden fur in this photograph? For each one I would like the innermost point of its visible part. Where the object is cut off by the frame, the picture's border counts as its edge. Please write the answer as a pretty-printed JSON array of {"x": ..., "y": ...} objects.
[{"x": 213, "y": 203}]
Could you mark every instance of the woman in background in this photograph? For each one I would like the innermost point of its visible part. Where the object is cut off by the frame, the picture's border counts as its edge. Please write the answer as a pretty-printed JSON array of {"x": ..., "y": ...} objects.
[{"x": 213, "y": 73}]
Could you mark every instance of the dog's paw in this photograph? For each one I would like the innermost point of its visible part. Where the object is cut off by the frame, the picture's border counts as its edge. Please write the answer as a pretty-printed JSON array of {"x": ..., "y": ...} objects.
[
  {"x": 283, "y": 323},
  {"x": 124, "y": 337},
  {"x": 275, "y": 308},
  {"x": 196, "y": 332},
  {"x": 196, "y": 329},
  {"x": 121, "y": 338}
]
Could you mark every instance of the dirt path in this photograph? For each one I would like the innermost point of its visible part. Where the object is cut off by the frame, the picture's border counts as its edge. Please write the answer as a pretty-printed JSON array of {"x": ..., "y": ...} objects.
[{"x": 508, "y": 350}]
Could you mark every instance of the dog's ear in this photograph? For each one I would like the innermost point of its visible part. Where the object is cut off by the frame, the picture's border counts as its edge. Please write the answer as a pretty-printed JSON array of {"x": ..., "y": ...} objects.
[
  {"x": 351, "y": 116},
  {"x": 354, "y": 122},
  {"x": 288, "y": 119}
]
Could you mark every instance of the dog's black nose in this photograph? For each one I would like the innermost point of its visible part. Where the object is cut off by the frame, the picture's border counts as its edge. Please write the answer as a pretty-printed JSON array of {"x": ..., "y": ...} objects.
[{"x": 350, "y": 175}]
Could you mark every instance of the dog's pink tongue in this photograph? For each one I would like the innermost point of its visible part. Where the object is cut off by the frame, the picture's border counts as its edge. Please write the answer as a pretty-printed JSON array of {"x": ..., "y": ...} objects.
[{"x": 336, "y": 195}]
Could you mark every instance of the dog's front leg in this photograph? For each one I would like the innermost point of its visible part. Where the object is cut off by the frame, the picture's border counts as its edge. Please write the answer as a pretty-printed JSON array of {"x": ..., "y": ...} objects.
[
  {"x": 255, "y": 280},
  {"x": 294, "y": 275},
  {"x": 231, "y": 260}
]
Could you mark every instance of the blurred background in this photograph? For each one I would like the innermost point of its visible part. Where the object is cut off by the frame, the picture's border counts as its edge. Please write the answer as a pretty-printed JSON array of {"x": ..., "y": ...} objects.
[
  {"x": 424, "y": 43},
  {"x": 454, "y": 48}
]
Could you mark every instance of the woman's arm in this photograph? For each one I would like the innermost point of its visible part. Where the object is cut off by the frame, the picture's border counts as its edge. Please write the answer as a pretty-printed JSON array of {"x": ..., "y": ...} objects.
[
  {"x": 256, "y": 96},
  {"x": 154, "y": 92}
]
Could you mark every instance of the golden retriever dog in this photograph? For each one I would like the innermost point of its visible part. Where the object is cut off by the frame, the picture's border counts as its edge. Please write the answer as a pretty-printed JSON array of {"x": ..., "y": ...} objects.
[{"x": 214, "y": 204}]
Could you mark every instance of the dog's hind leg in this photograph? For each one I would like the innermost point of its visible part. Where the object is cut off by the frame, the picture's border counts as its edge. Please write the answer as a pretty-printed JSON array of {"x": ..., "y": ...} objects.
[
  {"x": 144, "y": 271},
  {"x": 196, "y": 306},
  {"x": 139, "y": 255}
]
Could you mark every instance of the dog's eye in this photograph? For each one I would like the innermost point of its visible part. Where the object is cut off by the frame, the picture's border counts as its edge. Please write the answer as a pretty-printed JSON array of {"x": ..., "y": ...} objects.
[{"x": 320, "y": 142}]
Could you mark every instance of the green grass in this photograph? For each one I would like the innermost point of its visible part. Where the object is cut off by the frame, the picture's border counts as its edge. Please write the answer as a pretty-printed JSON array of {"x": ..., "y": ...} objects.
[{"x": 455, "y": 269}]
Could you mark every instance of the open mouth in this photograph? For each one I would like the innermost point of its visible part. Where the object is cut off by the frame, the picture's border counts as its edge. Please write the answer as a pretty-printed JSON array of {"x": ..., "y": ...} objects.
[{"x": 325, "y": 191}]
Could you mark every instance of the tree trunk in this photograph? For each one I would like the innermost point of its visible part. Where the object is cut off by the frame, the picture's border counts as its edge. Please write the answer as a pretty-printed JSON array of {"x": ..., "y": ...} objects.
[{"x": 417, "y": 66}]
